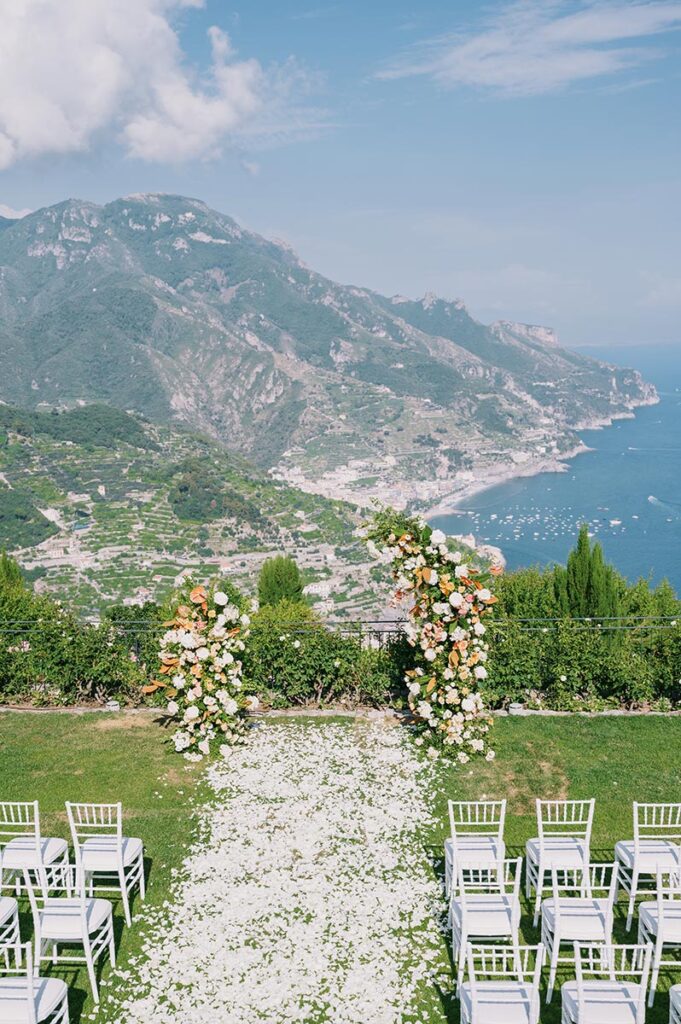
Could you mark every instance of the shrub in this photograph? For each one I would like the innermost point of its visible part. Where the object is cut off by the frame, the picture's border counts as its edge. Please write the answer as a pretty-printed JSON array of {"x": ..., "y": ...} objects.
[
  {"x": 293, "y": 659},
  {"x": 279, "y": 580}
]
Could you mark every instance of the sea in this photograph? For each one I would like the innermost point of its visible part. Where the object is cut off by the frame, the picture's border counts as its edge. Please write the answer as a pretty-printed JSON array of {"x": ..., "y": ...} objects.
[{"x": 627, "y": 488}]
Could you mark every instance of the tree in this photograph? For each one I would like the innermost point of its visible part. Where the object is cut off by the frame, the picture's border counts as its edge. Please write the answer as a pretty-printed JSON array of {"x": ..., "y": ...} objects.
[
  {"x": 593, "y": 588},
  {"x": 279, "y": 580},
  {"x": 10, "y": 573},
  {"x": 578, "y": 572}
]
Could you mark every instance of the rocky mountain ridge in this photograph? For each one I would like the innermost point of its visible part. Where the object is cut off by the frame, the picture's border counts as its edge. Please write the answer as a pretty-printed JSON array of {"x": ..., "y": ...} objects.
[{"x": 158, "y": 304}]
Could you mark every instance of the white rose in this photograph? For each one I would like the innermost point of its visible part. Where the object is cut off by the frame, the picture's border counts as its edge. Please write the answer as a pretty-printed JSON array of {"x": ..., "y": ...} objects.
[
  {"x": 245, "y": 620},
  {"x": 188, "y": 641},
  {"x": 181, "y": 740},
  {"x": 438, "y": 537},
  {"x": 230, "y": 705},
  {"x": 479, "y": 629},
  {"x": 220, "y": 598},
  {"x": 456, "y": 599},
  {"x": 231, "y": 613},
  {"x": 202, "y": 653},
  {"x": 204, "y": 747},
  {"x": 430, "y": 654},
  {"x": 468, "y": 704},
  {"x": 484, "y": 594},
  {"x": 252, "y": 702},
  {"x": 172, "y": 707},
  {"x": 191, "y": 713},
  {"x": 424, "y": 710},
  {"x": 490, "y": 755},
  {"x": 461, "y": 570},
  {"x": 414, "y": 688},
  {"x": 480, "y": 672}
]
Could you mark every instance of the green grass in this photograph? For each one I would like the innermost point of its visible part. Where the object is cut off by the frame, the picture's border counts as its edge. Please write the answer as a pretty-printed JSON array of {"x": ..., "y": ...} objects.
[
  {"x": 614, "y": 759},
  {"x": 53, "y": 757}
]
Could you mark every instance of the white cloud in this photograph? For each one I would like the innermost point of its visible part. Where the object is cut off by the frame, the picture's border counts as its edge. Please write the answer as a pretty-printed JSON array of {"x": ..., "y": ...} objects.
[
  {"x": 539, "y": 46},
  {"x": 73, "y": 70},
  {"x": 11, "y": 213}
]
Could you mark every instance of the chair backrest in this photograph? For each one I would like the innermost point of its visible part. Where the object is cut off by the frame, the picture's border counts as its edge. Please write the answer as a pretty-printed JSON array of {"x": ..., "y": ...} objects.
[
  {"x": 476, "y": 818},
  {"x": 503, "y": 879},
  {"x": 596, "y": 881},
  {"x": 89, "y": 820},
  {"x": 566, "y": 818},
  {"x": 656, "y": 821},
  {"x": 19, "y": 820},
  {"x": 627, "y": 963},
  {"x": 668, "y": 890},
  {"x": 26, "y": 972},
  {"x": 66, "y": 879},
  {"x": 504, "y": 963}
]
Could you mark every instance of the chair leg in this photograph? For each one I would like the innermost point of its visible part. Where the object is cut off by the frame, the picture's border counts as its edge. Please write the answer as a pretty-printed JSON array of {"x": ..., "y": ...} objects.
[
  {"x": 655, "y": 972},
  {"x": 554, "y": 950},
  {"x": 537, "y": 899},
  {"x": 91, "y": 972},
  {"x": 125, "y": 897},
  {"x": 632, "y": 899},
  {"x": 461, "y": 961},
  {"x": 143, "y": 883}
]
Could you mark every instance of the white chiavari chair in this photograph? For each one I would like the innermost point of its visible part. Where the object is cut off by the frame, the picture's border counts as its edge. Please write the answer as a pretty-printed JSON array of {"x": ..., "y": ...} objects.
[
  {"x": 656, "y": 844},
  {"x": 485, "y": 905},
  {"x": 476, "y": 836},
  {"x": 659, "y": 922},
  {"x": 502, "y": 985},
  {"x": 610, "y": 985},
  {"x": 109, "y": 860},
  {"x": 564, "y": 842},
  {"x": 24, "y": 847},
  {"x": 26, "y": 998}
]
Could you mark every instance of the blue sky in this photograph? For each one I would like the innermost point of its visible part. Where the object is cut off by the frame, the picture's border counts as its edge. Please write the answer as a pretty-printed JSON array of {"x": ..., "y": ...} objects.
[{"x": 523, "y": 156}]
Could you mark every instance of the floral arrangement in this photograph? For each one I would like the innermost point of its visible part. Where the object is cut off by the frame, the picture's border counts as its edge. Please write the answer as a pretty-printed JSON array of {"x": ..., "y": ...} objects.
[
  {"x": 447, "y": 600},
  {"x": 201, "y": 669}
]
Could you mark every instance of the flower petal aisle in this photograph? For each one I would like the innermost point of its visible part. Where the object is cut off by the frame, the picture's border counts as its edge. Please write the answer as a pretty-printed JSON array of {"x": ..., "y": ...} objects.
[{"x": 310, "y": 897}]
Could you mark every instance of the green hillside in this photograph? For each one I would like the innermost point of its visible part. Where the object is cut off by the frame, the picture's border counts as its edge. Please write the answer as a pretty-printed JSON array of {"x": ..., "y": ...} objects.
[{"x": 100, "y": 506}]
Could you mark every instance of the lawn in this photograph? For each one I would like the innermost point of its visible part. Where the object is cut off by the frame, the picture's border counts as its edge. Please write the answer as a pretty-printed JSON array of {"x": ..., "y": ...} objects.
[{"x": 53, "y": 757}]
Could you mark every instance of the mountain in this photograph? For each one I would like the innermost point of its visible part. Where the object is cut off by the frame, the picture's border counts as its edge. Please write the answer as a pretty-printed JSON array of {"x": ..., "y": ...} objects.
[
  {"x": 99, "y": 507},
  {"x": 160, "y": 305}
]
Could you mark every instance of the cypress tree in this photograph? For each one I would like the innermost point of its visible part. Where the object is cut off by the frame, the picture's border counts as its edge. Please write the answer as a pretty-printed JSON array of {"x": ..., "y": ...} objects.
[
  {"x": 578, "y": 573},
  {"x": 279, "y": 580}
]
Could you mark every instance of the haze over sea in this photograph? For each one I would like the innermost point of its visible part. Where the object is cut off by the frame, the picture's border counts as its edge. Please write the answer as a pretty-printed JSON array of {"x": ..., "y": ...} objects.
[{"x": 628, "y": 489}]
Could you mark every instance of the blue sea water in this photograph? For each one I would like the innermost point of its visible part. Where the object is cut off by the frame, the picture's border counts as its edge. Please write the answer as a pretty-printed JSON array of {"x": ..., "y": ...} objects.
[{"x": 628, "y": 489}]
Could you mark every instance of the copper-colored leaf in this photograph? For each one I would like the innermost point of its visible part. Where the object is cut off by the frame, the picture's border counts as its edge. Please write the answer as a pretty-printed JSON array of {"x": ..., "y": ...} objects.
[{"x": 198, "y": 595}]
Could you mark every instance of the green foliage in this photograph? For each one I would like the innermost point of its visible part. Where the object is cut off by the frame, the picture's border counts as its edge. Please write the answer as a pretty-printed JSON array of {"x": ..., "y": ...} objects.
[
  {"x": 592, "y": 587},
  {"x": 293, "y": 659},
  {"x": 96, "y": 424},
  {"x": 200, "y": 494},
  {"x": 567, "y": 663},
  {"x": 279, "y": 580},
  {"x": 22, "y": 524},
  {"x": 48, "y": 656}
]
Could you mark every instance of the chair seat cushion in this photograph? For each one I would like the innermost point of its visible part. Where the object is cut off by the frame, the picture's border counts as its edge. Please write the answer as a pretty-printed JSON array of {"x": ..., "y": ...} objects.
[
  {"x": 671, "y": 911},
  {"x": 475, "y": 851},
  {"x": 651, "y": 853},
  {"x": 487, "y": 914},
  {"x": 61, "y": 918},
  {"x": 100, "y": 853},
  {"x": 507, "y": 1001},
  {"x": 559, "y": 852},
  {"x": 8, "y": 908},
  {"x": 49, "y": 994},
  {"x": 21, "y": 853},
  {"x": 605, "y": 1002},
  {"x": 581, "y": 919}
]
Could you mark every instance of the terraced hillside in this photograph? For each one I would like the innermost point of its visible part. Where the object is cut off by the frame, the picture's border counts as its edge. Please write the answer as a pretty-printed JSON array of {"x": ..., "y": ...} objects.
[{"x": 100, "y": 506}]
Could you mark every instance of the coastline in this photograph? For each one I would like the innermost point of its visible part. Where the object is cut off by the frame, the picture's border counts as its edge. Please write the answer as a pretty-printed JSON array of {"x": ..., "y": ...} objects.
[{"x": 501, "y": 473}]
